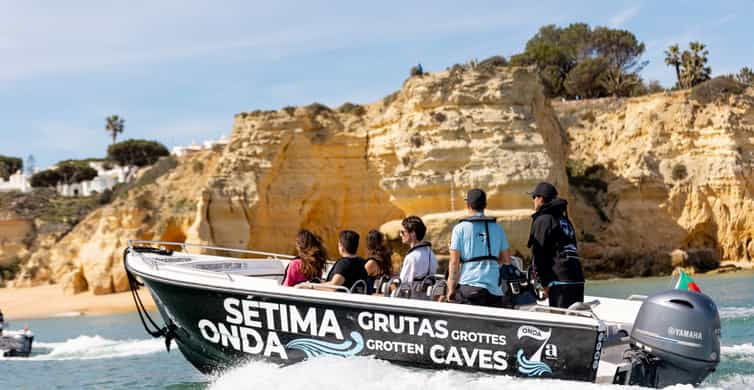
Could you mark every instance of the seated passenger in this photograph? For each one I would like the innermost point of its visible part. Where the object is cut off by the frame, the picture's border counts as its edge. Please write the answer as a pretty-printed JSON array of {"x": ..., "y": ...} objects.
[
  {"x": 310, "y": 263},
  {"x": 350, "y": 268},
  {"x": 420, "y": 262},
  {"x": 378, "y": 262}
]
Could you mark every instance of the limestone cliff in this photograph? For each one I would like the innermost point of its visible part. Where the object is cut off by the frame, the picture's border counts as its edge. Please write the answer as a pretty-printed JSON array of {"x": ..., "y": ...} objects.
[
  {"x": 646, "y": 176},
  {"x": 662, "y": 172},
  {"x": 415, "y": 152},
  {"x": 159, "y": 205}
]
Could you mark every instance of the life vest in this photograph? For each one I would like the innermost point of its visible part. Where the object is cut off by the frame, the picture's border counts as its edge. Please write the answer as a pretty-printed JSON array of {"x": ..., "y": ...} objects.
[
  {"x": 423, "y": 244},
  {"x": 417, "y": 288},
  {"x": 486, "y": 221}
]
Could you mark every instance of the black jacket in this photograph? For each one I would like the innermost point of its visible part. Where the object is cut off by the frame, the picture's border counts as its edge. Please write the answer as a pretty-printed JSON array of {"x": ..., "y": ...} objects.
[{"x": 553, "y": 244}]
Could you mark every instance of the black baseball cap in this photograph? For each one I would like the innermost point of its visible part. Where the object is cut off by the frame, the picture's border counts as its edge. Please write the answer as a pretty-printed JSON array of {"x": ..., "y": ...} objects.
[
  {"x": 545, "y": 190},
  {"x": 476, "y": 198}
]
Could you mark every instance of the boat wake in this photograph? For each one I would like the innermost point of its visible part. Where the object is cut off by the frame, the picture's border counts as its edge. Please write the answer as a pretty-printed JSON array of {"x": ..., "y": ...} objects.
[
  {"x": 94, "y": 347},
  {"x": 736, "y": 312},
  {"x": 334, "y": 373},
  {"x": 740, "y": 351}
]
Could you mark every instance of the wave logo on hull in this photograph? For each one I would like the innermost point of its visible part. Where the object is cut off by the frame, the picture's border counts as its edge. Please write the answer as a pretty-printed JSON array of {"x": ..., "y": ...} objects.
[
  {"x": 533, "y": 366},
  {"x": 313, "y": 348}
]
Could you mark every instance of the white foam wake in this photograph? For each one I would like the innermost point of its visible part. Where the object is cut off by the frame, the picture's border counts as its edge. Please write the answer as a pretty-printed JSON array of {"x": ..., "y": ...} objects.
[
  {"x": 95, "y": 347},
  {"x": 365, "y": 373},
  {"x": 740, "y": 350},
  {"x": 736, "y": 312}
]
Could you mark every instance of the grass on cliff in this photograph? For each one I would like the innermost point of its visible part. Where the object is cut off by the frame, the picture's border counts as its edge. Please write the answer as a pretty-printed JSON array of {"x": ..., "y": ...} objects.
[{"x": 47, "y": 205}]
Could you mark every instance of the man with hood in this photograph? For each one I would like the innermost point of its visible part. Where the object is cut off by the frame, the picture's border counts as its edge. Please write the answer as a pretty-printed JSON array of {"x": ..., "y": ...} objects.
[{"x": 552, "y": 240}]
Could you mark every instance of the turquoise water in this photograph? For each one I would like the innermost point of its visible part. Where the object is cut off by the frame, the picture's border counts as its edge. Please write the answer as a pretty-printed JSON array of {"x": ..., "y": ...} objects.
[{"x": 114, "y": 352}]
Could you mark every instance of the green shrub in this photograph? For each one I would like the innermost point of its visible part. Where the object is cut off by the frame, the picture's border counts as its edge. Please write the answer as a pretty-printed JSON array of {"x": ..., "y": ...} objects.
[
  {"x": 679, "y": 172},
  {"x": 317, "y": 108},
  {"x": 290, "y": 110},
  {"x": 492, "y": 63},
  {"x": 46, "y": 178},
  {"x": 9, "y": 166},
  {"x": 416, "y": 71},
  {"x": 72, "y": 171},
  {"x": 136, "y": 152},
  {"x": 717, "y": 88},
  {"x": 105, "y": 197},
  {"x": 350, "y": 108}
]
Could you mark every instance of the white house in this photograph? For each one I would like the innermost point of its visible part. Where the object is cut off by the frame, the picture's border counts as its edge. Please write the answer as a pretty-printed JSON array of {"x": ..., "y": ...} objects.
[
  {"x": 106, "y": 179},
  {"x": 16, "y": 182},
  {"x": 180, "y": 151}
]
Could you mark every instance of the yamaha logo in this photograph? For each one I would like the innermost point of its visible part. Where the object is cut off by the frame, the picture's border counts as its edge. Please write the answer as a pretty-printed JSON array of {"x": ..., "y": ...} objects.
[{"x": 687, "y": 333}]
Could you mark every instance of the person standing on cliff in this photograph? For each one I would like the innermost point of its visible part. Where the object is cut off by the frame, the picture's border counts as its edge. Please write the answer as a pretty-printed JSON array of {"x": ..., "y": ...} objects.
[
  {"x": 552, "y": 240},
  {"x": 478, "y": 246}
]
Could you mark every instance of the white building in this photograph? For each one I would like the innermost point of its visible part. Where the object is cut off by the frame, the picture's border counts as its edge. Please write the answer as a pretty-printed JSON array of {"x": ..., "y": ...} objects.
[
  {"x": 16, "y": 182},
  {"x": 106, "y": 179},
  {"x": 180, "y": 151}
]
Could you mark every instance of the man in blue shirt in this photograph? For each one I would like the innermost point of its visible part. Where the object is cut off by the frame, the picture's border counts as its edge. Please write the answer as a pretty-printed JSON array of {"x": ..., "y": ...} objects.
[{"x": 478, "y": 246}]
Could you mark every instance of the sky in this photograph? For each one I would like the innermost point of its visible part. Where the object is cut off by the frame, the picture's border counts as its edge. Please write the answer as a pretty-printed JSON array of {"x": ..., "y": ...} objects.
[{"x": 178, "y": 70}]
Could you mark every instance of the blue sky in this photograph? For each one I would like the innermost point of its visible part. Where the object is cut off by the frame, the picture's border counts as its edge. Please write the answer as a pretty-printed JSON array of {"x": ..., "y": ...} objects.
[{"x": 179, "y": 70}]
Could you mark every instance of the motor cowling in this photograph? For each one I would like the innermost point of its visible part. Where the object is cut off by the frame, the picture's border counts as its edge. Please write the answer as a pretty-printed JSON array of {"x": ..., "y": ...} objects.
[{"x": 679, "y": 332}]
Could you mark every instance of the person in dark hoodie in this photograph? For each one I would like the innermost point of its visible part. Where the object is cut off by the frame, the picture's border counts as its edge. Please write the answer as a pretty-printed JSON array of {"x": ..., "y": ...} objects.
[{"x": 552, "y": 240}]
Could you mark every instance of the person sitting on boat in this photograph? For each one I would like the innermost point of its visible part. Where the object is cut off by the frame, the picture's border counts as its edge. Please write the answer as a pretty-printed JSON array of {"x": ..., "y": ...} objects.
[
  {"x": 552, "y": 240},
  {"x": 478, "y": 247},
  {"x": 420, "y": 262},
  {"x": 2, "y": 322},
  {"x": 378, "y": 262},
  {"x": 349, "y": 269},
  {"x": 311, "y": 260}
]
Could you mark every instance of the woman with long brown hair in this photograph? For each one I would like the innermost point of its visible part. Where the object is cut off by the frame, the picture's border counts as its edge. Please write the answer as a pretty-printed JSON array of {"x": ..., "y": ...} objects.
[
  {"x": 310, "y": 262},
  {"x": 379, "y": 262}
]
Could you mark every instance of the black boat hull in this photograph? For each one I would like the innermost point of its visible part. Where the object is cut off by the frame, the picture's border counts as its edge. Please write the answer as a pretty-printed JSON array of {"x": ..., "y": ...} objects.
[
  {"x": 16, "y": 345},
  {"x": 217, "y": 329}
]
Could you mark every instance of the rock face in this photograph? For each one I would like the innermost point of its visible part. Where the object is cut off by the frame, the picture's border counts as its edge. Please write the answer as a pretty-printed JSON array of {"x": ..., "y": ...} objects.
[
  {"x": 416, "y": 152},
  {"x": 663, "y": 172},
  {"x": 159, "y": 205},
  {"x": 15, "y": 233},
  {"x": 646, "y": 176}
]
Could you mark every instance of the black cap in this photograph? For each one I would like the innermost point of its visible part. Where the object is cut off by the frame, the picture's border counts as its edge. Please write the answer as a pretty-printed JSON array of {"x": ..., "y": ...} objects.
[
  {"x": 545, "y": 190},
  {"x": 476, "y": 199}
]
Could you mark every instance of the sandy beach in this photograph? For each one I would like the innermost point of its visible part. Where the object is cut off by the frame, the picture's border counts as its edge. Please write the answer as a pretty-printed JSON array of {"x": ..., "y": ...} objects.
[{"x": 49, "y": 301}]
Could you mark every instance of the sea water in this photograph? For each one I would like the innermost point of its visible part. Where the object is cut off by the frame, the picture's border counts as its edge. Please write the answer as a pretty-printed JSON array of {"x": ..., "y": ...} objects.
[{"x": 114, "y": 352}]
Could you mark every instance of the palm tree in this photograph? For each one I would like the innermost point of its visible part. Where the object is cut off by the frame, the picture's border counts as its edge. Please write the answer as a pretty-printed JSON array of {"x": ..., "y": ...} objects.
[
  {"x": 694, "y": 63},
  {"x": 673, "y": 58},
  {"x": 114, "y": 125}
]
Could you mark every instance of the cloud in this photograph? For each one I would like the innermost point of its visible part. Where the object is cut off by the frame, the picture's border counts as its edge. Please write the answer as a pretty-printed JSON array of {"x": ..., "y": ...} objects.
[
  {"x": 38, "y": 40},
  {"x": 624, "y": 16}
]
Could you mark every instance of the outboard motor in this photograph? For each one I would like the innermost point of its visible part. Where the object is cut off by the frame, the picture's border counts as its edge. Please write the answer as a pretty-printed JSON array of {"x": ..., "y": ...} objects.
[{"x": 675, "y": 340}]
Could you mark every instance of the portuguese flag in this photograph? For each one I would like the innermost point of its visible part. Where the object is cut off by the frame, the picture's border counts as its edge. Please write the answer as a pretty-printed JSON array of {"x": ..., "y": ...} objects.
[{"x": 685, "y": 282}]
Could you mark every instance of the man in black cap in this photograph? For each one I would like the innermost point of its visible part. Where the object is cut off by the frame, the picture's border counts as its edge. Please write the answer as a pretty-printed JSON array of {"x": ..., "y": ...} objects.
[
  {"x": 552, "y": 240},
  {"x": 478, "y": 246}
]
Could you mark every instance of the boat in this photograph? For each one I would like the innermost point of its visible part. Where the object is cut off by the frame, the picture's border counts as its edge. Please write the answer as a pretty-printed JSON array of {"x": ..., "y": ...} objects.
[
  {"x": 16, "y": 343},
  {"x": 224, "y": 307}
]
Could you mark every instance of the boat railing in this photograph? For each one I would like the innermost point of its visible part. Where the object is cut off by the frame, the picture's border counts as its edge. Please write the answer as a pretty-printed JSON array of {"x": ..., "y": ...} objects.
[
  {"x": 185, "y": 246},
  {"x": 320, "y": 286},
  {"x": 558, "y": 310}
]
